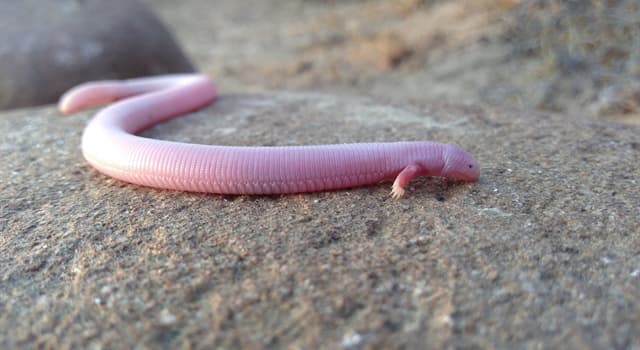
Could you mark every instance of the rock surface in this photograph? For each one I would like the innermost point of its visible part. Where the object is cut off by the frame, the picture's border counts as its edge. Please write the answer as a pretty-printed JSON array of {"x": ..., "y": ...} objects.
[
  {"x": 46, "y": 47},
  {"x": 481, "y": 51},
  {"x": 542, "y": 252}
]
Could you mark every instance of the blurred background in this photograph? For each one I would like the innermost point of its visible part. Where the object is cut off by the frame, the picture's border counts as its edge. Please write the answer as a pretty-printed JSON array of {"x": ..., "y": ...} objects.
[{"x": 570, "y": 56}]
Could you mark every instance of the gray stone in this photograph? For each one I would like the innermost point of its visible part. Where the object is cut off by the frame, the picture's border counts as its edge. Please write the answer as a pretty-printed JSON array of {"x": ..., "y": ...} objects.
[
  {"x": 47, "y": 47},
  {"x": 542, "y": 252}
]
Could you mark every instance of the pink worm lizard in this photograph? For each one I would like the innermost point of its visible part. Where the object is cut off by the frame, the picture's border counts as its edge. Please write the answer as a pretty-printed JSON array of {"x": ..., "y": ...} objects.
[{"x": 110, "y": 145}]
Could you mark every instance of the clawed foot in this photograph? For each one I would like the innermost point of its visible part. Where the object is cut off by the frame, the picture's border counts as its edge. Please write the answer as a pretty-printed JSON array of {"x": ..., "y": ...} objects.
[
  {"x": 402, "y": 180},
  {"x": 397, "y": 192}
]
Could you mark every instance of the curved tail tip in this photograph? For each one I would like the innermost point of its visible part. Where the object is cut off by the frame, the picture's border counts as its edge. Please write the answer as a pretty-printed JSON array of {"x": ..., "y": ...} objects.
[
  {"x": 65, "y": 107},
  {"x": 72, "y": 101}
]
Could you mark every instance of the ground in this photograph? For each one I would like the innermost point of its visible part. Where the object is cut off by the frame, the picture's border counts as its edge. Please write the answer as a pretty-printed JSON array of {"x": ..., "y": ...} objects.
[{"x": 541, "y": 252}]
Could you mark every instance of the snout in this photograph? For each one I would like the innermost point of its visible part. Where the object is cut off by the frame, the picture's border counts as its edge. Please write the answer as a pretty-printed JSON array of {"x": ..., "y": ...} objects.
[{"x": 460, "y": 165}]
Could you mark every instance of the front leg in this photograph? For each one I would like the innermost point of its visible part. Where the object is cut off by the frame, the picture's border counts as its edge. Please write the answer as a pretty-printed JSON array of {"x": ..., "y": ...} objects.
[{"x": 408, "y": 173}]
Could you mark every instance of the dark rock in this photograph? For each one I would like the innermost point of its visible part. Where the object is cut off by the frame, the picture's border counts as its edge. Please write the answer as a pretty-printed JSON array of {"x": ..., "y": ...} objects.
[{"x": 47, "y": 47}]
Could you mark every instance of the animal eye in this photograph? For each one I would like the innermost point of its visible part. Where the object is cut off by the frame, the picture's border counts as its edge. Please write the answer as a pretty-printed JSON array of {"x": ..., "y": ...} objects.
[{"x": 470, "y": 166}]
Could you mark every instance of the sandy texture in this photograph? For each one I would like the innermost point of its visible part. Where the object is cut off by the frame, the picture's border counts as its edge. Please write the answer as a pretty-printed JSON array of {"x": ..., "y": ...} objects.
[
  {"x": 542, "y": 251},
  {"x": 572, "y": 57}
]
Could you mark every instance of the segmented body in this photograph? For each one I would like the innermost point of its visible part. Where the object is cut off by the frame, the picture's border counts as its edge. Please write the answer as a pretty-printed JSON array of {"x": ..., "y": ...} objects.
[{"x": 110, "y": 145}]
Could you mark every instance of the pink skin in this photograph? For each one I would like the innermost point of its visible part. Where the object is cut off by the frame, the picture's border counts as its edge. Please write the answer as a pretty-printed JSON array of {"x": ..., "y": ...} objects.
[{"x": 109, "y": 145}]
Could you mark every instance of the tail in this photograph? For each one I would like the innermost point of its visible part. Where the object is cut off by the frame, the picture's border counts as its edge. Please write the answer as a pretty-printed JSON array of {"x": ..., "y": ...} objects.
[{"x": 97, "y": 93}]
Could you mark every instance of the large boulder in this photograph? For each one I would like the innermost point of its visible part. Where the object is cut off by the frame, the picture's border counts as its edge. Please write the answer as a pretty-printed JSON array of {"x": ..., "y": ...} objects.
[{"x": 48, "y": 46}]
